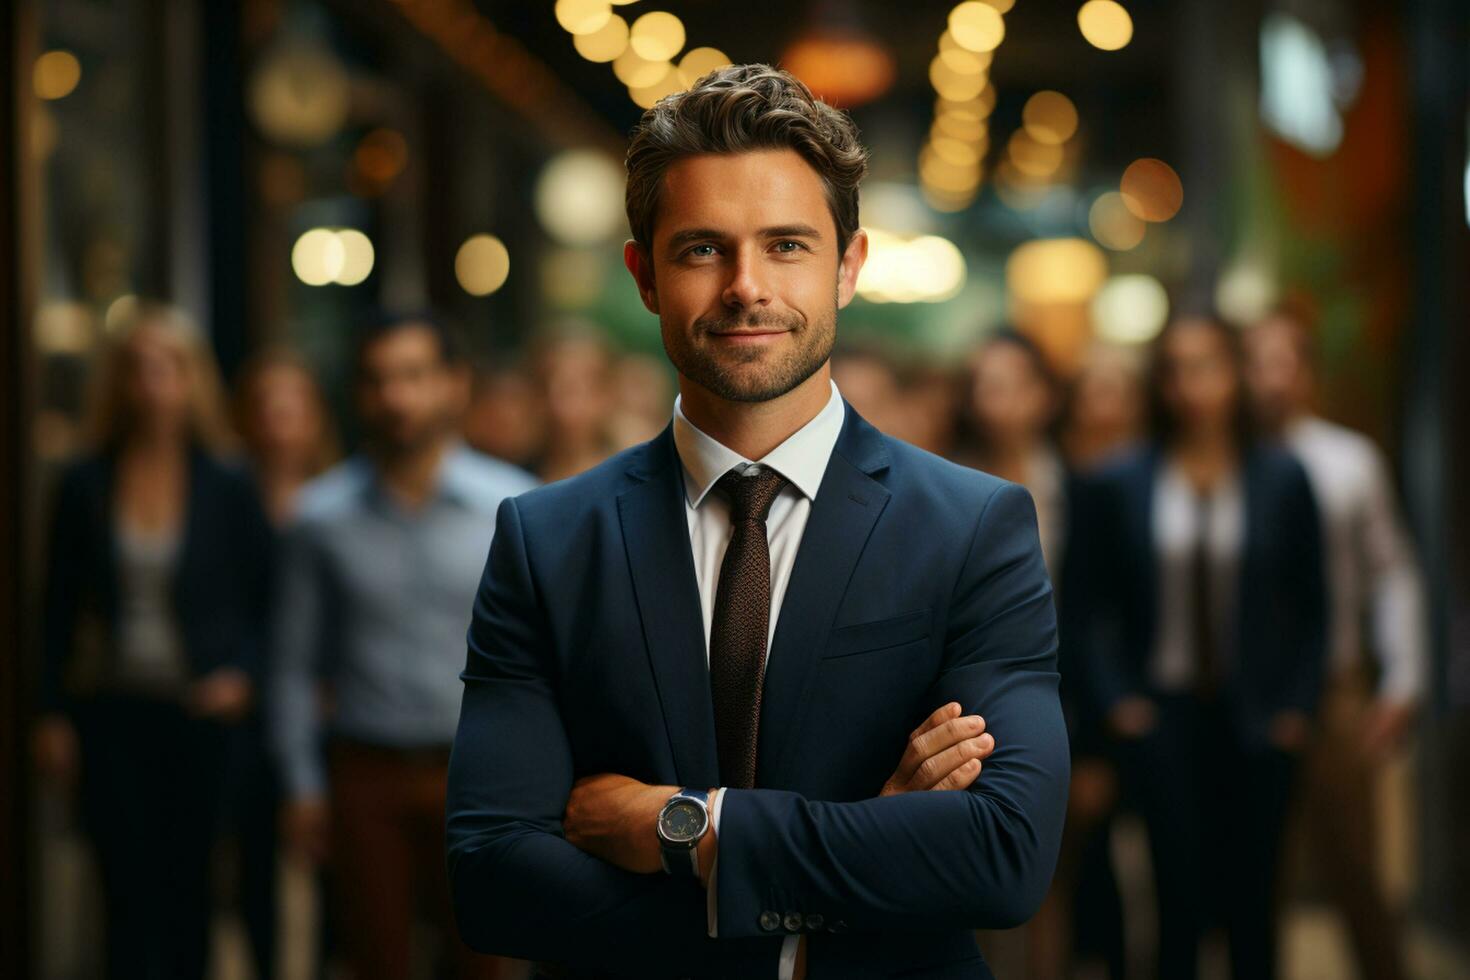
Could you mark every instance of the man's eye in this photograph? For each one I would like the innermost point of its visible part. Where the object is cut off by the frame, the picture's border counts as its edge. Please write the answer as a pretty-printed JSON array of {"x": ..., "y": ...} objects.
[
  {"x": 789, "y": 247},
  {"x": 702, "y": 251}
]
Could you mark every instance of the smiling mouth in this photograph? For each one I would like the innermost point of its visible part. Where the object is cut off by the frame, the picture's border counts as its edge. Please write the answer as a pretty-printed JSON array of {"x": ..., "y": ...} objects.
[{"x": 746, "y": 333}]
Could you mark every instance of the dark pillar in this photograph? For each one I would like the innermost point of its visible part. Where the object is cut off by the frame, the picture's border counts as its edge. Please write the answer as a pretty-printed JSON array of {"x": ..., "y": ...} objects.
[
  {"x": 17, "y": 54},
  {"x": 1436, "y": 433}
]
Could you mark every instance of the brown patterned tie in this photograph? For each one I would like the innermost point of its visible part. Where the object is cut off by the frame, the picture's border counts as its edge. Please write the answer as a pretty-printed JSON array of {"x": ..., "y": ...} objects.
[{"x": 737, "y": 642}]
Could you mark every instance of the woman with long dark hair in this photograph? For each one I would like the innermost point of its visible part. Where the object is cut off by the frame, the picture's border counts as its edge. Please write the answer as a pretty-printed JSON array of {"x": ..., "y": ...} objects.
[
  {"x": 1195, "y": 601},
  {"x": 155, "y": 605},
  {"x": 1014, "y": 397}
]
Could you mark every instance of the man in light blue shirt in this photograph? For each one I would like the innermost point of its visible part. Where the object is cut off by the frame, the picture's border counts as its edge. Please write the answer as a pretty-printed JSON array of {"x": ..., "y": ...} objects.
[{"x": 378, "y": 576}]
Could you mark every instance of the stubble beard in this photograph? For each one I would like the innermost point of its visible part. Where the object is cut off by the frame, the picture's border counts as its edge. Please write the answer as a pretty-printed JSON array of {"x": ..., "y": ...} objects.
[{"x": 738, "y": 374}]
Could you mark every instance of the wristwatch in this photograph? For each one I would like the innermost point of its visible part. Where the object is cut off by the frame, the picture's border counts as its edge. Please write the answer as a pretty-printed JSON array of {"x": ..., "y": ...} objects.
[{"x": 682, "y": 823}]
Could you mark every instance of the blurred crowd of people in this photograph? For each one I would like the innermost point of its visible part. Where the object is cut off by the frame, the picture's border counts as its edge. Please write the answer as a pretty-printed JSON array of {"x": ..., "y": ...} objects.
[{"x": 250, "y": 638}]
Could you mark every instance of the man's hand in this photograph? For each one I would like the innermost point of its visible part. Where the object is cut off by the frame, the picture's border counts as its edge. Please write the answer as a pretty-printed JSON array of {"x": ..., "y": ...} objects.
[
  {"x": 1290, "y": 731},
  {"x": 305, "y": 825},
  {"x": 945, "y": 752},
  {"x": 1132, "y": 717},
  {"x": 224, "y": 695},
  {"x": 1389, "y": 723},
  {"x": 616, "y": 818},
  {"x": 55, "y": 749}
]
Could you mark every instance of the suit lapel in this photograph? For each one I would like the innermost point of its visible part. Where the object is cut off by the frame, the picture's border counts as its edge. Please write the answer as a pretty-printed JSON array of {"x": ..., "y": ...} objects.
[
  {"x": 656, "y": 534},
  {"x": 843, "y": 514}
]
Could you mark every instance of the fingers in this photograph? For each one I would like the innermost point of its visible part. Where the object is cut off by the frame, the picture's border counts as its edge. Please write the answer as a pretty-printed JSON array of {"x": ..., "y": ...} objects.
[
  {"x": 961, "y": 777},
  {"x": 940, "y": 716},
  {"x": 950, "y": 733},
  {"x": 937, "y": 768},
  {"x": 935, "y": 754}
]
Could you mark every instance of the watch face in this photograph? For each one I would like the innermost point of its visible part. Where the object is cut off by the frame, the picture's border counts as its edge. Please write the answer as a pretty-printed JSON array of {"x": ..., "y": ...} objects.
[{"x": 682, "y": 822}]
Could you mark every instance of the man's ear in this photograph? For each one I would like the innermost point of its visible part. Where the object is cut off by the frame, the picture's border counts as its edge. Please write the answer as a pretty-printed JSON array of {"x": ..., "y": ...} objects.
[
  {"x": 852, "y": 264},
  {"x": 640, "y": 264}
]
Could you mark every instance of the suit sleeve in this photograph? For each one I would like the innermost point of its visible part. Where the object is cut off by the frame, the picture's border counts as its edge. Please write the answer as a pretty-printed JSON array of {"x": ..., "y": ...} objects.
[
  {"x": 519, "y": 889},
  {"x": 254, "y": 553},
  {"x": 303, "y": 614},
  {"x": 1392, "y": 581},
  {"x": 981, "y": 858}
]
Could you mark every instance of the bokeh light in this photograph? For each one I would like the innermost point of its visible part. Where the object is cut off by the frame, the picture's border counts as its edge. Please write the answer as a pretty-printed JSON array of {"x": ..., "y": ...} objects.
[
  {"x": 1056, "y": 270},
  {"x": 605, "y": 43},
  {"x": 947, "y": 43},
  {"x": 56, "y": 75},
  {"x": 636, "y": 71},
  {"x": 698, "y": 62},
  {"x": 482, "y": 265},
  {"x": 657, "y": 36},
  {"x": 300, "y": 94},
  {"x": 1049, "y": 117},
  {"x": 583, "y": 16},
  {"x": 1152, "y": 190},
  {"x": 579, "y": 197},
  {"x": 381, "y": 155},
  {"x": 1105, "y": 24},
  {"x": 1036, "y": 160},
  {"x": 332, "y": 255},
  {"x": 647, "y": 96},
  {"x": 1130, "y": 309},
  {"x": 977, "y": 26},
  {"x": 1113, "y": 225},
  {"x": 954, "y": 85},
  {"x": 924, "y": 269},
  {"x": 357, "y": 257}
]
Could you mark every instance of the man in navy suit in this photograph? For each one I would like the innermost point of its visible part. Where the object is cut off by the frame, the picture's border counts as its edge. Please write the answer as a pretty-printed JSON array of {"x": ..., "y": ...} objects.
[{"x": 728, "y": 694}]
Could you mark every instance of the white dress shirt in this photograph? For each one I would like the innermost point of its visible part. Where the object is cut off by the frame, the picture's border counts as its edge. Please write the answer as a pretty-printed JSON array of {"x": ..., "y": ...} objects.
[
  {"x": 1175, "y": 662},
  {"x": 802, "y": 460},
  {"x": 1370, "y": 564}
]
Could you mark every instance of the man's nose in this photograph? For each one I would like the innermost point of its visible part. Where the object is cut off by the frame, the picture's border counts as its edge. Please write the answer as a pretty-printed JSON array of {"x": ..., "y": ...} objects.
[{"x": 747, "y": 288}]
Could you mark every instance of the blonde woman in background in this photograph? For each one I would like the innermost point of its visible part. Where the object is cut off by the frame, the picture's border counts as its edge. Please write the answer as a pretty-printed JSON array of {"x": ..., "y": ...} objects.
[{"x": 155, "y": 602}]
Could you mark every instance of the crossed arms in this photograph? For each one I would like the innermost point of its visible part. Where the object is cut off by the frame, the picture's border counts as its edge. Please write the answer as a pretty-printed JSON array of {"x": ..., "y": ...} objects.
[{"x": 978, "y": 857}]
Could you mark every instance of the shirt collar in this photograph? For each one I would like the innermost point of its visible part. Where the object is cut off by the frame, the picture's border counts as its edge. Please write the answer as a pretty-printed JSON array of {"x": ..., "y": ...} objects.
[
  {"x": 454, "y": 481},
  {"x": 802, "y": 458}
]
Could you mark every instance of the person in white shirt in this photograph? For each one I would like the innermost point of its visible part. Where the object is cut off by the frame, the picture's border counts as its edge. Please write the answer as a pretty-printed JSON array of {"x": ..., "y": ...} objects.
[{"x": 1372, "y": 580}]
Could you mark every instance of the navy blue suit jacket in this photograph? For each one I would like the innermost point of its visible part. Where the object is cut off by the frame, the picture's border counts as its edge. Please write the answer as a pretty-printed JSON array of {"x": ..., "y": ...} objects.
[
  {"x": 220, "y": 589},
  {"x": 1110, "y": 593},
  {"x": 917, "y": 582}
]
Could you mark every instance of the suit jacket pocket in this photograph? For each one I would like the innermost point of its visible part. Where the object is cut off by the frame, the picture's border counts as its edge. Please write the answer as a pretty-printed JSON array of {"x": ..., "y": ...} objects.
[{"x": 881, "y": 634}]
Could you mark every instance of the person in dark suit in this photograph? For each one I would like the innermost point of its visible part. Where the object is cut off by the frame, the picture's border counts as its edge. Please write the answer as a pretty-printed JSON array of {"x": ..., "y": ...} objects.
[
  {"x": 155, "y": 608},
  {"x": 727, "y": 695},
  {"x": 1195, "y": 610}
]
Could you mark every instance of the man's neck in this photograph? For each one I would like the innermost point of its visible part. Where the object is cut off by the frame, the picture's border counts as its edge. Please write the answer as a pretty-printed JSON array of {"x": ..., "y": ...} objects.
[
  {"x": 1283, "y": 424},
  {"x": 411, "y": 475},
  {"x": 753, "y": 429}
]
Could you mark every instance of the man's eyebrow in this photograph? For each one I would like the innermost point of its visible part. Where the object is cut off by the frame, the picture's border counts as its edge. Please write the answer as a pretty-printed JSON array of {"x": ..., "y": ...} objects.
[
  {"x": 681, "y": 238},
  {"x": 791, "y": 231},
  {"x": 688, "y": 235}
]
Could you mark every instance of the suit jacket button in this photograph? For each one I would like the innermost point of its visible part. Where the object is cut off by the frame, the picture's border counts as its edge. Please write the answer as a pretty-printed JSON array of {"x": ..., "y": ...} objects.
[
  {"x": 838, "y": 926},
  {"x": 792, "y": 922},
  {"x": 815, "y": 921},
  {"x": 770, "y": 921}
]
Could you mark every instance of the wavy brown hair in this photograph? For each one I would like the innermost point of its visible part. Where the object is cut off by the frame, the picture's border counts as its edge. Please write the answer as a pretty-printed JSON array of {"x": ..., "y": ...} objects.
[
  {"x": 738, "y": 109},
  {"x": 279, "y": 358},
  {"x": 110, "y": 416}
]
